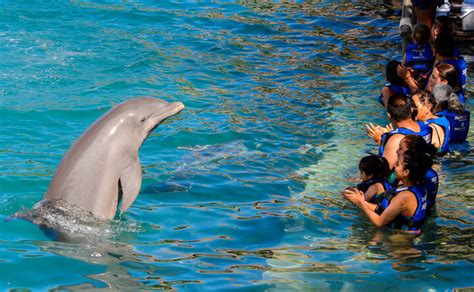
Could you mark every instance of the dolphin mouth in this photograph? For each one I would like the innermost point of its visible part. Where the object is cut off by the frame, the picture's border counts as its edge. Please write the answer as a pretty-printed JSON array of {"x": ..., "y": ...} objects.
[{"x": 171, "y": 110}]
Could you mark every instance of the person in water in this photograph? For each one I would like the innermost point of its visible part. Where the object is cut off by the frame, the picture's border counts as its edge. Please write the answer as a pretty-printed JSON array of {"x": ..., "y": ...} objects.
[
  {"x": 426, "y": 109},
  {"x": 449, "y": 106},
  {"x": 431, "y": 180},
  {"x": 395, "y": 83},
  {"x": 373, "y": 172},
  {"x": 442, "y": 24},
  {"x": 419, "y": 54},
  {"x": 444, "y": 73},
  {"x": 404, "y": 206},
  {"x": 400, "y": 113},
  {"x": 445, "y": 53}
]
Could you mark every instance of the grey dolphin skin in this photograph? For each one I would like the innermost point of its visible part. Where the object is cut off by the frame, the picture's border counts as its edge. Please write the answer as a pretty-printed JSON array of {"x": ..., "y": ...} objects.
[{"x": 102, "y": 171}]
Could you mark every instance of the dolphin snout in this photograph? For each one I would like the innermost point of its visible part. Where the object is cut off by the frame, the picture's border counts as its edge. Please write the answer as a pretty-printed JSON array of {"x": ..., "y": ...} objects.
[
  {"x": 178, "y": 106},
  {"x": 167, "y": 111}
]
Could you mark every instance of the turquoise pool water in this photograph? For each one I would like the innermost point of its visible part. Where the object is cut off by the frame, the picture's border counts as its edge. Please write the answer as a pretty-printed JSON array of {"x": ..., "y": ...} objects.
[{"x": 241, "y": 190}]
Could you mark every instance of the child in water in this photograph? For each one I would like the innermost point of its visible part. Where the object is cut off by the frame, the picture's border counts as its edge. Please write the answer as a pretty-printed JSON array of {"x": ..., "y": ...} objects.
[{"x": 373, "y": 172}]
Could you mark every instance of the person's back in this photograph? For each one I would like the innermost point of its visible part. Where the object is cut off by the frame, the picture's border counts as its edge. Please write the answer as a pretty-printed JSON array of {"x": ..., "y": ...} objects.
[
  {"x": 400, "y": 111},
  {"x": 419, "y": 55}
]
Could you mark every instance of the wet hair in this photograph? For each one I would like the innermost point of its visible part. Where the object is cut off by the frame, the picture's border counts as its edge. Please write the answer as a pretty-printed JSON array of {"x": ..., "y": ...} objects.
[
  {"x": 444, "y": 44},
  {"x": 391, "y": 73},
  {"x": 421, "y": 33},
  {"x": 418, "y": 157},
  {"x": 376, "y": 166},
  {"x": 449, "y": 73},
  {"x": 400, "y": 107},
  {"x": 445, "y": 98}
]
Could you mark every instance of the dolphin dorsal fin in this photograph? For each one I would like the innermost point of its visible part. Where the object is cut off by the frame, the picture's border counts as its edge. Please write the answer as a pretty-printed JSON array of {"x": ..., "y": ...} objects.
[{"x": 130, "y": 181}]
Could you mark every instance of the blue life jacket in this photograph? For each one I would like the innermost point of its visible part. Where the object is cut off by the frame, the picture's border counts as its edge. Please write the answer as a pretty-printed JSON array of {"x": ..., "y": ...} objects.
[
  {"x": 462, "y": 97},
  {"x": 444, "y": 123},
  {"x": 364, "y": 186},
  {"x": 413, "y": 222},
  {"x": 395, "y": 89},
  {"x": 459, "y": 124},
  {"x": 461, "y": 67},
  {"x": 431, "y": 184},
  {"x": 430, "y": 181},
  {"x": 419, "y": 57},
  {"x": 424, "y": 132}
]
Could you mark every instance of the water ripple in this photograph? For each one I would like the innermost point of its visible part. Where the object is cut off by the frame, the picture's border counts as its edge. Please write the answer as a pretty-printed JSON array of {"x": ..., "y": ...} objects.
[{"x": 241, "y": 191}]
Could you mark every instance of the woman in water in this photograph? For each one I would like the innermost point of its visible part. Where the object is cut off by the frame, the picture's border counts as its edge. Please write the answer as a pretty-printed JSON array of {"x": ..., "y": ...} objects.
[
  {"x": 426, "y": 109},
  {"x": 403, "y": 207},
  {"x": 415, "y": 143},
  {"x": 448, "y": 105},
  {"x": 445, "y": 74}
]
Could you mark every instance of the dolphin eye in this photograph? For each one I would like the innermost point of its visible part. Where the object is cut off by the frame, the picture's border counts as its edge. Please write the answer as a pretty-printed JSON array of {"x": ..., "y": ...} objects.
[{"x": 143, "y": 119}]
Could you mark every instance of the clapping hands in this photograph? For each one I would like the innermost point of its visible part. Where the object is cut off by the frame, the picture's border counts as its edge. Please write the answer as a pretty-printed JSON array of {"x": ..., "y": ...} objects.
[{"x": 375, "y": 131}]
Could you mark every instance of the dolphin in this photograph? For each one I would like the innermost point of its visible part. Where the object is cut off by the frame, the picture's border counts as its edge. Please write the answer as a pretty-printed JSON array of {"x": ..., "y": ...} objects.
[{"x": 101, "y": 172}]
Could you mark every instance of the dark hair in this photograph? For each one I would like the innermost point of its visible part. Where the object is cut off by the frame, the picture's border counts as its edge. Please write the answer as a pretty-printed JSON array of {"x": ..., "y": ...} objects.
[
  {"x": 443, "y": 24},
  {"x": 449, "y": 73},
  {"x": 426, "y": 98},
  {"x": 418, "y": 157},
  {"x": 391, "y": 73},
  {"x": 376, "y": 166},
  {"x": 444, "y": 44},
  {"x": 400, "y": 107},
  {"x": 421, "y": 33}
]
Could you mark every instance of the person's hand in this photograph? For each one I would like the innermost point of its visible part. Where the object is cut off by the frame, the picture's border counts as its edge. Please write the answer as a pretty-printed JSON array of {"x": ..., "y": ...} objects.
[
  {"x": 375, "y": 132},
  {"x": 405, "y": 73},
  {"x": 388, "y": 128},
  {"x": 354, "y": 195}
]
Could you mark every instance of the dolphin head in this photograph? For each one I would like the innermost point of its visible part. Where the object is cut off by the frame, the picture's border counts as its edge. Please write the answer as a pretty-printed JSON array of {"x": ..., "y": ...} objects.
[
  {"x": 142, "y": 115},
  {"x": 102, "y": 171}
]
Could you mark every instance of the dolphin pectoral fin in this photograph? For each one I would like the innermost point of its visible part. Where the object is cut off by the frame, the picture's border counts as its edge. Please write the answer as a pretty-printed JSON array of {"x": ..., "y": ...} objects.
[{"x": 130, "y": 180}]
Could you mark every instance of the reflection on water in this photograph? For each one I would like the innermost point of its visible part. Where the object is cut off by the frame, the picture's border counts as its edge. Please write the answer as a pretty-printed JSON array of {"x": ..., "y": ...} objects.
[{"x": 241, "y": 191}]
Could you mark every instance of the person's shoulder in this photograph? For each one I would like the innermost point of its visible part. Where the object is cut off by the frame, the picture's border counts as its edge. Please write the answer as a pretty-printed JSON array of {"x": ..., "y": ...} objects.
[
  {"x": 395, "y": 138},
  {"x": 378, "y": 187},
  {"x": 433, "y": 124},
  {"x": 407, "y": 194}
]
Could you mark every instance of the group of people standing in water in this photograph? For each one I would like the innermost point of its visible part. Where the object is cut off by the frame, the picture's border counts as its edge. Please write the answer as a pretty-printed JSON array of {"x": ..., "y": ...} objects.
[{"x": 426, "y": 105}]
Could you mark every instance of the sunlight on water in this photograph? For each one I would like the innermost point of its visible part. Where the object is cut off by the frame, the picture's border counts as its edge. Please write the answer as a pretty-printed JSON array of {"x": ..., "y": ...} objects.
[{"x": 242, "y": 189}]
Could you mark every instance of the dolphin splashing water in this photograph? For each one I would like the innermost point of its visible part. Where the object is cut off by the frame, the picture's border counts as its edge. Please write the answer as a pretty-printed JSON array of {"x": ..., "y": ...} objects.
[{"x": 101, "y": 172}]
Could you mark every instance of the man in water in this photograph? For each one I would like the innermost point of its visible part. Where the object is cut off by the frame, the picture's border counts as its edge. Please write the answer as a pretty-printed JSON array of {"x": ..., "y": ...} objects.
[{"x": 400, "y": 113}]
